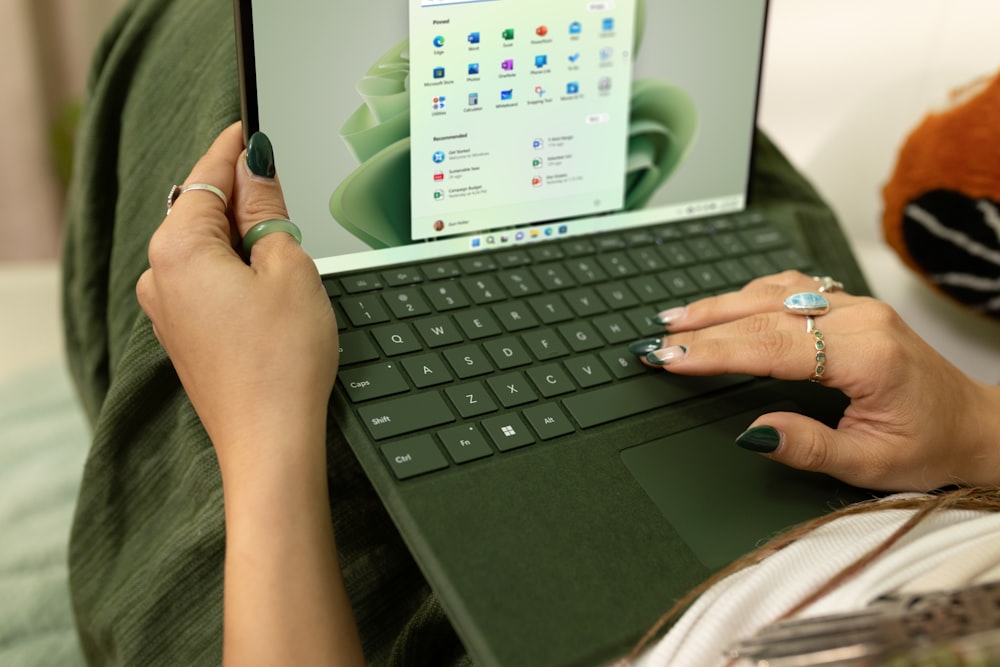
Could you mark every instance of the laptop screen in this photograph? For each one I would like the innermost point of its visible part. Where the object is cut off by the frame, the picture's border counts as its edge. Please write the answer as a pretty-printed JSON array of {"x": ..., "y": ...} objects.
[{"x": 414, "y": 129}]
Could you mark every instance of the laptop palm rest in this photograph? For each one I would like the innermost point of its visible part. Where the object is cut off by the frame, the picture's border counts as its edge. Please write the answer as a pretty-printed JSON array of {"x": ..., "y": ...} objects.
[{"x": 723, "y": 500}]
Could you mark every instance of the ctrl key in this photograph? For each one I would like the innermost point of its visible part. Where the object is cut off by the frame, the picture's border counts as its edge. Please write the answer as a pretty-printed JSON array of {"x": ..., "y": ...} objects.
[{"x": 413, "y": 456}]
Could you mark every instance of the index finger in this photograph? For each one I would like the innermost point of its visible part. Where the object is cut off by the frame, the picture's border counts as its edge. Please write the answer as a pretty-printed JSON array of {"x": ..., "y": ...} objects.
[{"x": 200, "y": 212}]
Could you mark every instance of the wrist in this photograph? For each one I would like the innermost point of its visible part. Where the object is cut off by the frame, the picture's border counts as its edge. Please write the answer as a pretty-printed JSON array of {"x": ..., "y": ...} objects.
[{"x": 981, "y": 462}]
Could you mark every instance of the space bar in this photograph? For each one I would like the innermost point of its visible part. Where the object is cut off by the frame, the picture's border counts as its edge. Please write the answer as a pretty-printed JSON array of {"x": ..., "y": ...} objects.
[{"x": 648, "y": 392}]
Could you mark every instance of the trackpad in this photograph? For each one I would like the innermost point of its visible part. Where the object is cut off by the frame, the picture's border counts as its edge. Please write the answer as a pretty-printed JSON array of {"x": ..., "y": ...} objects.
[{"x": 723, "y": 500}]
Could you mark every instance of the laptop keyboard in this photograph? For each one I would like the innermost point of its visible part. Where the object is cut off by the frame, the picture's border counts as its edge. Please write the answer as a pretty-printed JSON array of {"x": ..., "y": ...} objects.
[{"x": 449, "y": 362}]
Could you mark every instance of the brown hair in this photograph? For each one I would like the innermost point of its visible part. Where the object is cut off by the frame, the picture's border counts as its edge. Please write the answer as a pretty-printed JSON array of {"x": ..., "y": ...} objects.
[{"x": 985, "y": 499}]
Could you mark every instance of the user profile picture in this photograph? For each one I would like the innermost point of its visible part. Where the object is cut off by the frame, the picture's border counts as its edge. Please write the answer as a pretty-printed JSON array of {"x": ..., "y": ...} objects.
[{"x": 439, "y": 225}]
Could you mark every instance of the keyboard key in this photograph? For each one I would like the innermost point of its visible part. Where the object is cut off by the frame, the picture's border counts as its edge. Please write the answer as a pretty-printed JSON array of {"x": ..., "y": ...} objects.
[
  {"x": 440, "y": 270},
  {"x": 641, "y": 394},
  {"x": 512, "y": 258},
  {"x": 426, "y": 370},
  {"x": 553, "y": 277},
  {"x": 550, "y": 380},
  {"x": 412, "y": 457},
  {"x": 546, "y": 252},
  {"x": 332, "y": 287},
  {"x": 520, "y": 282},
  {"x": 446, "y": 296},
  {"x": 735, "y": 272},
  {"x": 438, "y": 331},
  {"x": 549, "y": 421},
  {"x": 617, "y": 295},
  {"x": 477, "y": 264},
  {"x": 731, "y": 244},
  {"x": 545, "y": 344},
  {"x": 465, "y": 443},
  {"x": 707, "y": 278},
  {"x": 375, "y": 381},
  {"x": 507, "y": 432},
  {"x": 361, "y": 283},
  {"x": 578, "y": 247},
  {"x": 483, "y": 289},
  {"x": 759, "y": 265},
  {"x": 648, "y": 259},
  {"x": 705, "y": 249},
  {"x": 477, "y": 323},
  {"x": 585, "y": 302},
  {"x": 790, "y": 258},
  {"x": 515, "y": 316},
  {"x": 362, "y": 310},
  {"x": 471, "y": 399},
  {"x": 397, "y": 416},
  {"x": 615, "y": 328},
  {"x": 406, "y": 303},
  {"x": 512, "y": 389},
  {"x": 642, "y": 319},
  {"x": 764, "y": 238},
  {"x": 648, "y": 289},
  {"x": 586, "y": 271},
  {"x": 678, "y": 282},
  {"x": 551, "y": 308},
  {"x": 355, "y": 347},
  {"x": 402, "y": 276},
  {"x": 396, "y": 339},
  {"x": 581, "y": 336},
  {"x": 468, "y": 361},
  {"x": 676, "y": 254},
  {"x": 587, "y": 371},
  {"x": 622, "y": 363},
  {"x": 618, "y": 265},
  {"x": 507, "y": 353},
  {"x": 609, "y": 242}
]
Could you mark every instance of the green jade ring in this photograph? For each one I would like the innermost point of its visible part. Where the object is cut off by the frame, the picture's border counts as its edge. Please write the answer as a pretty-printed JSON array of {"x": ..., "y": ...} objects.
[{"x": 262, "y": 229}]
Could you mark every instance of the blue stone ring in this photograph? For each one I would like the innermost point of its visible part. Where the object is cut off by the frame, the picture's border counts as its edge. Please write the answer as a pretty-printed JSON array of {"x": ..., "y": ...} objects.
[
  {"x": 807, "y": 303},
  {"x": 811, "y": 305}
]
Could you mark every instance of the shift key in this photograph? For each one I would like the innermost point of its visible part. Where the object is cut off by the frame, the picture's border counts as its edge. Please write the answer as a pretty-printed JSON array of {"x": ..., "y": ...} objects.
[{"x": 397, "y": 416}]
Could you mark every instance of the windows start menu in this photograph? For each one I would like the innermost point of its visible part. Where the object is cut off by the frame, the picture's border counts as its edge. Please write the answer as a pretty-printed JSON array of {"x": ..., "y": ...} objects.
[{"x": 519, "y": 111}]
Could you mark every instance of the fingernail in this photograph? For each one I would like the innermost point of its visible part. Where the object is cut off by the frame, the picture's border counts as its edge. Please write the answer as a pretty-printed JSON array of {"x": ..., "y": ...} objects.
[
  {"x": 667, "y": 355},
  {"x": 645, "y": 346},
  {"x": 761, "y": 439},
  {"x": 671, "y": 316},
  {"x": 260, "y": 155}
]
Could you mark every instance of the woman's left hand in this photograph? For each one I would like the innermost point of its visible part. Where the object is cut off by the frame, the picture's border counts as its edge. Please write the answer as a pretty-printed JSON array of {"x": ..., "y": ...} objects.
[{"x": 254, "y": 343}]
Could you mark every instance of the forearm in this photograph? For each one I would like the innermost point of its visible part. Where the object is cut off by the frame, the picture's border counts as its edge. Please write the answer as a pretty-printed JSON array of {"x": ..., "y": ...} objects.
[{"x": 285, "y": 601}]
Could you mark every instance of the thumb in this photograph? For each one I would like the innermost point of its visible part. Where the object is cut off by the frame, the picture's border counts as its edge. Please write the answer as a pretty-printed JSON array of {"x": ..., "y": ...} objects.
[
  {"x": 799, "y": 442},
  {"x": 257, "y": 194}
]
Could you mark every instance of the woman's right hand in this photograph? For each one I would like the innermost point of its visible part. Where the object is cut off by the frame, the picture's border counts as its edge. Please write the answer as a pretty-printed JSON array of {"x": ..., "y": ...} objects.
[{"x": 915, "y": 421}]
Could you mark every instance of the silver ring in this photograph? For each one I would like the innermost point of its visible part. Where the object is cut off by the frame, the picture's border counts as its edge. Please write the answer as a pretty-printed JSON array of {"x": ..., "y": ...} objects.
[
  {"x": 819, "y": 342},
  {"x": 828, "y": 284},
  {"x": 177, "y": 190}
]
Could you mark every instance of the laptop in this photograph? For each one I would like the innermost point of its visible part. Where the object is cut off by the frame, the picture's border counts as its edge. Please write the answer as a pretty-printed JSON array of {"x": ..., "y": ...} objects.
[{"x": 500, "y": 194}]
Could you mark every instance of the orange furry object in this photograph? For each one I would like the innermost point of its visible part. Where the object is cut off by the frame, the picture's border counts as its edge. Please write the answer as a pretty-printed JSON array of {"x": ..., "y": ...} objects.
[{"x": 942, "y": 203}]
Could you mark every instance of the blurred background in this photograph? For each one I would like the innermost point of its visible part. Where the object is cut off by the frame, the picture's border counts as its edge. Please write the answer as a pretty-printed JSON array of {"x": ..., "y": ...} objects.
[{"x": 47, "y": 45}]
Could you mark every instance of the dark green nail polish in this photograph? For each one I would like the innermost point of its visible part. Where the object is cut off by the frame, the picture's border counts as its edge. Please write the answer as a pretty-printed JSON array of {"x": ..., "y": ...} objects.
[
  {"x": 644, "y": 345},
  {"x": 762, "y": 439},
  {"x": 260, "y": 155}
]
